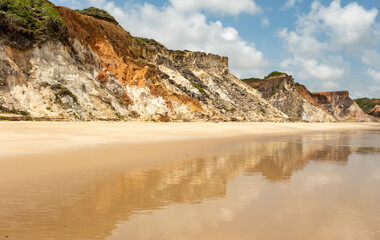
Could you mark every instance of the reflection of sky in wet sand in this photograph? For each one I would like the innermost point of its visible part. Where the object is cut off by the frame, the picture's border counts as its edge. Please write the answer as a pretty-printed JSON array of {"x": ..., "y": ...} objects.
[{"x": 306, "y": 187}]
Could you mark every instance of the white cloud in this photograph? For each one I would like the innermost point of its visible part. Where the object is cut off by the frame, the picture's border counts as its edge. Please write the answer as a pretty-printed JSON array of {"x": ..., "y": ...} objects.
[
  {"x": 324, "y": 35},
  {"x": 190, "y": 30},
  {"x": 370, "y": 57},
  {"x": 72, "y": 3},
  {"x": 331, "y": 86},
  {"x": 96, "y": 3},
  {"x": 291, "y": 3},
  {"x": 304, "y": 45},
  {"x": 375, "y": 75},
  {"x": 311, "y": 69},
  {"x": 347, "y": 27},
  {"x": 321, "y": 71},
  {"x": 265, "y": 21},
  {"x": 216, "y": 6},
  {"x": 333, "y": 28}
]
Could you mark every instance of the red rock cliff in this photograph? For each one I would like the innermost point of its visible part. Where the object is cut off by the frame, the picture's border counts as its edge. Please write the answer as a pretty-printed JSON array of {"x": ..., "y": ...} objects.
[{"x": 340, "y": 105}]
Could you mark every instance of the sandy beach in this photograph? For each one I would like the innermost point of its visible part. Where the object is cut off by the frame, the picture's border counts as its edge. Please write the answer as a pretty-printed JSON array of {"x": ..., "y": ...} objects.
[
  {"x": 47, "y": 166},
  {"x": 25, "y": 138},
  {"x": 32, "y": 150}
]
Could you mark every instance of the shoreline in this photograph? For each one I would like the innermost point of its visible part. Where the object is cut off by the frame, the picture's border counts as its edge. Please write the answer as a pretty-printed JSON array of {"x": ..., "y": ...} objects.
[
  {"x": 89, "y": 153},
  {"x": 34, "y": 151},
  {"x": 33, "y": 138}
]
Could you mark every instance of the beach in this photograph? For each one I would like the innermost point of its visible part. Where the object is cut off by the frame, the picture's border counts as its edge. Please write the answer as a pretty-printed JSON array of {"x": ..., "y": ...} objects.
[
  {"x": 57, "y": 175},
  {"x": 26, "y": 138},
  {"x": 33, "y": 150}
]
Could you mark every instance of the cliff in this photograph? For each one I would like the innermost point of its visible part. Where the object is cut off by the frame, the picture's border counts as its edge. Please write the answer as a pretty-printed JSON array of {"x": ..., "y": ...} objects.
[
  {"x": 97, "y": 70},
  {"x": 369, "y": 106},
  {"x": 283, "y": 93},
  {"x": 375, "y": 111},
  {"x": 61, "y": 64},
  {"x": 340, "y": 105}
]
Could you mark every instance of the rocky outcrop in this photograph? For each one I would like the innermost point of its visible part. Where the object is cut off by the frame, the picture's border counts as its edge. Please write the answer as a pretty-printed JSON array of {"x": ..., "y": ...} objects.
[
  {"x": 283, "y": 93},
  {"x": 82, "y": 65},
  {"x": 370, "y": 106},
  {"x": 340, "y": 105},
  {"x": 375, "y": 111},
  {"x": 101, "y": 72}
]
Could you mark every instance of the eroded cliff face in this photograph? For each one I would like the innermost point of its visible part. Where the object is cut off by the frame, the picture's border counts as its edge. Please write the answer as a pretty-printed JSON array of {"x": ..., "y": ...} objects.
[
  {"x": 375, "y": 111},
  {"x": 340, "y": 105},
  {"x": 105, "y": 73},
  {"x": 370, "y": 106},
  {"x": 283, "y": 93}
]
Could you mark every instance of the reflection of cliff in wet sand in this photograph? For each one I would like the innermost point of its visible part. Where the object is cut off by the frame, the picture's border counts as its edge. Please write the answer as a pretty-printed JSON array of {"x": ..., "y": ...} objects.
[
  {"x": 278, "y": 161},
  {"x": 100, "y": 206}
]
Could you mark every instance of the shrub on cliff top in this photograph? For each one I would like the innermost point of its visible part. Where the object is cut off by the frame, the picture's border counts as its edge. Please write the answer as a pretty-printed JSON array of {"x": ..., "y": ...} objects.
[
  {"x": 98, "y": 13},
  {"x": 366, "y": 104},
  {"x": 148, "y": 41},
  {"x": 24, "y": 22},
  {"x": 251, "y": 79},
  {"x": 274, "y": 74}
]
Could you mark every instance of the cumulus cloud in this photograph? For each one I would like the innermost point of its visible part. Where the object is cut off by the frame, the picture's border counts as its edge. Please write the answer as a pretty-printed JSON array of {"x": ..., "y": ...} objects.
[
  {"x": 324, "y": 73},
  {"x": 265, "y": 21},
  {"x": 217, "y": 6},
  {"x": 321, "y": 71},
  {"x": 327, "y": 33},
  {"x": 291, "y": 3},
  {"x": 375, "y": 75},
  {"x": 71, "y": 3},
  {"x": 302, "y": 44},
  {"x": 179, "y": 27},
  {"x": 370, "y": 57},
  {"x": 348, "y": 28}
]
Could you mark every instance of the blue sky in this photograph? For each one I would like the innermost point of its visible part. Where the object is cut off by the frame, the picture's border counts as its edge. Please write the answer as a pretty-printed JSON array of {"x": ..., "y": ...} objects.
[{"x": 326, "y": 44}]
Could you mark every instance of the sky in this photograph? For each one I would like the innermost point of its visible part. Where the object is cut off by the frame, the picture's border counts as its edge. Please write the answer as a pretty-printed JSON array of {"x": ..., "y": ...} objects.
[{"x": 327, "y": 45}]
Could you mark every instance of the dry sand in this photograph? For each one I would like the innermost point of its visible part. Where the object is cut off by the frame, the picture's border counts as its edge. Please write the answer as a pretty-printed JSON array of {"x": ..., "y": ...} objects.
[{"x": 23, "y": 138}]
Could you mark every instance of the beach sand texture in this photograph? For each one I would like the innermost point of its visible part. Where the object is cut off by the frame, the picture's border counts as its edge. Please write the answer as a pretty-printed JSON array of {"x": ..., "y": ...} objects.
[
  {"x": 32, "y": 150},
  {"x": 46, "y": 165}
]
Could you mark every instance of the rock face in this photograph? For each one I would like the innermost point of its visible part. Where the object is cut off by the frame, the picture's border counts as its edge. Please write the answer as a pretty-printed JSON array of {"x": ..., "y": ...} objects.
[
  {"x": 370, "y": 106},
  {"x": 283, "y": 93},
  {"x": 340, "y": 105},
  {"x": 102, "y": 72},
  {"x": 375, "y": 111},
  {"x": 81, "y": 65}
]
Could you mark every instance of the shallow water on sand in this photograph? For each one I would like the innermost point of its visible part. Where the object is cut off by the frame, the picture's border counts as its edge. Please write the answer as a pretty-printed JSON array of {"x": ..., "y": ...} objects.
[{"x": 320, "y": 186}]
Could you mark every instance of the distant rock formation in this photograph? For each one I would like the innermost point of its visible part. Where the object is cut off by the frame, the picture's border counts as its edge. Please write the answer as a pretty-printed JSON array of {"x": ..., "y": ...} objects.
[
  {"x": 370, "y": 106},
  {"x": 295, "y": 101},
  {"x": 375, "y": 111},
  {"x": 340, "y": 105}
]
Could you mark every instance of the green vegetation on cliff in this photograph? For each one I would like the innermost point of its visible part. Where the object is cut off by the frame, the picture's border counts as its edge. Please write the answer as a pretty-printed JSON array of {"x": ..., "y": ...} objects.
[
  {"x": 98, "y": 13},
  {"x": 13, "y": 111},
  {"x": 251, "y": 79},
  {"x": 274, "y": 74},
  {"x": 366, "y": 104},
  {"x": 149, "y": 41},
  {"x": 24, "y": 22}
]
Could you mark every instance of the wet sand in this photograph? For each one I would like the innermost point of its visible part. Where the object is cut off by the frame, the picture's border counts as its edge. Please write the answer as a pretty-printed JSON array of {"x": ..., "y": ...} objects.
[
  {"x": 24, "y": 138},
  {"x": 37, "y": 149},
  {"x": 48, "y": 168}
]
